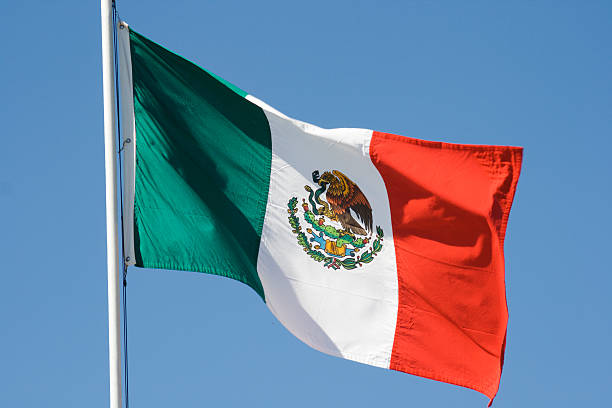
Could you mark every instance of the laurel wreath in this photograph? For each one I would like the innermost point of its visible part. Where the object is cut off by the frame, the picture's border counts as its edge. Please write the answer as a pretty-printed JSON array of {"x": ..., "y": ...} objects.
[{"x": 330, "y": 261}]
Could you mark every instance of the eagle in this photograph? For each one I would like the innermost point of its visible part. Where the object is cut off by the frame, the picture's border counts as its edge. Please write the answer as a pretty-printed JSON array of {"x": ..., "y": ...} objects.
[{"x": 343, "y": 195}]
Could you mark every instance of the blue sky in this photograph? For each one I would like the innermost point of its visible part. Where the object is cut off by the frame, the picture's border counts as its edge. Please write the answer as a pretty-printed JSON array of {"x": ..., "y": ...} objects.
[{"x": 533, "y": 74}]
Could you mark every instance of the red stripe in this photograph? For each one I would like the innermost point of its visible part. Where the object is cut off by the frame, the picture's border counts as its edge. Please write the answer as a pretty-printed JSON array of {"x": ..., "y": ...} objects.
[{"x": 449, "y": 209}]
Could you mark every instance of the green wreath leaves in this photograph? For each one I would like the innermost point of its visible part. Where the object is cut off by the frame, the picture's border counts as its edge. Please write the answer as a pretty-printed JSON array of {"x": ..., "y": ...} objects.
[{"x": 329, "y": 261}]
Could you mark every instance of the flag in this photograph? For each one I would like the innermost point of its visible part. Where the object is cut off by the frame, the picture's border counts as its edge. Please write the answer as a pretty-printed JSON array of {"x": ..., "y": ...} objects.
[{"x": 378, "y": 248}]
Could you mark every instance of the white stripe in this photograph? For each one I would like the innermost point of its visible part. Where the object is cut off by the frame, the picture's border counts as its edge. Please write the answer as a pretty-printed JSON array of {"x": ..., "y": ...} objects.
[
  {"x": 128, "y": 131},
  {"x": 346, "y": 313}
]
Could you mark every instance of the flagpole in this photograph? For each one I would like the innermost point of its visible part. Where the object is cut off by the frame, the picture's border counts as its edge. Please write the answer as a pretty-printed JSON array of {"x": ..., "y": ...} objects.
[{"x": 113, "y": 259}]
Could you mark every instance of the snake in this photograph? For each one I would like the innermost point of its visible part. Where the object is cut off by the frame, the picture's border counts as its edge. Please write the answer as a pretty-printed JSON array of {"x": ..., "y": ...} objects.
[{"x": 317, "y": 197}]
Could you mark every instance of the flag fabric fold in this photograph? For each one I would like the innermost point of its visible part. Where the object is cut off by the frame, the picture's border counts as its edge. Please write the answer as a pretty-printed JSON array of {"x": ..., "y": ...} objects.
[{"x": 373, "y": 247}]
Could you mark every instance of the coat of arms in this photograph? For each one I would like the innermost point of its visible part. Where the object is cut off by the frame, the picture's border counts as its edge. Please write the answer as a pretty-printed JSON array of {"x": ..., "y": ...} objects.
[{"x": 338, "y": 227}]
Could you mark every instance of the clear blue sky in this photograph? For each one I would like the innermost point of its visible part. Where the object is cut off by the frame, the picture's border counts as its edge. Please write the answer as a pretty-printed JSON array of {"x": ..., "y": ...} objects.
[{"x": 533, "y": 74}]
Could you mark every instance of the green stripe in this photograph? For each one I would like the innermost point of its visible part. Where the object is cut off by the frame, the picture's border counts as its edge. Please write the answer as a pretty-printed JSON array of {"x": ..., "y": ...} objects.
[{"x": 203, "y": 156}]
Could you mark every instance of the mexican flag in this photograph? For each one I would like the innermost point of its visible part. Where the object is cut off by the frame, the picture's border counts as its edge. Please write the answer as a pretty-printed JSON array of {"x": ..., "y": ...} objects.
[{"x": 374, "y": 247}]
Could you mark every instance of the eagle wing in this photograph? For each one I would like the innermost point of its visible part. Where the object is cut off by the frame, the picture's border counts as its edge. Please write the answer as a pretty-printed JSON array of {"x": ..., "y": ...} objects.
[{"x": 352, "y": 197}]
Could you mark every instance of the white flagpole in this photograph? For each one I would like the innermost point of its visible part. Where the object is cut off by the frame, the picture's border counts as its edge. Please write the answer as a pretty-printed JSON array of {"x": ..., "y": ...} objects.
[{"x": 113, "y": 259}]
